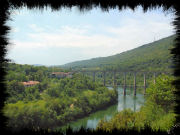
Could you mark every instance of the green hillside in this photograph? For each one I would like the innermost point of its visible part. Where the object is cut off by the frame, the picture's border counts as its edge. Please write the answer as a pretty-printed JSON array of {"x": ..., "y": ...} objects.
[{"x": 154, "y": 56}]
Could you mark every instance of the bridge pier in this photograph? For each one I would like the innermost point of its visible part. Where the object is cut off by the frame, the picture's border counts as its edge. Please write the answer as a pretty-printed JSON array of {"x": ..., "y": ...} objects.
[
  {"x": 135, "y": 84},
  {"x": 134, "y": 104},
  {"x": 104, "y": 75},
  {"x": 124, "y": 92},
  {"x": 94, "y": 74},
  {"x": 144, "y": 83},
  {"x": 124, "y": 102},
  {"x": 83, "y": 73},
  {"x": 114, "y": 81},
  {"x": 154, "y": 78},
  {"x": 114, "y": 78}
]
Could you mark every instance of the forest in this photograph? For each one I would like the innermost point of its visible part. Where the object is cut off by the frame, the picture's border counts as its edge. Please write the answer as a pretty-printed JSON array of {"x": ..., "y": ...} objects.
[
  {"x": 154, "y": 56},
  {"x": 152, "y": 59},
  {"x": 52, "y": 102}
]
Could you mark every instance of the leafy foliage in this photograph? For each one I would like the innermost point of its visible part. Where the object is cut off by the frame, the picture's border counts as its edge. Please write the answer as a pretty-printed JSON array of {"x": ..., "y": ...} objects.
[
  {"x": 53, "y": 102},
  {"x": 154, "y": 56},
  {"x": 162, "y": 93},
  {"x": 156, "y": 113}
]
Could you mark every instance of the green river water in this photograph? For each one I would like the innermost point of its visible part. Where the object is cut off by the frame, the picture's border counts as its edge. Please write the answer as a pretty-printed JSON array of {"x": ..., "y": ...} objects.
[{"x": 124, "y": 102}]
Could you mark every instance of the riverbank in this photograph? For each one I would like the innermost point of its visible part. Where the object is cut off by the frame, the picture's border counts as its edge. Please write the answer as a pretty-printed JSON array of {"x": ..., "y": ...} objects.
[
  {"x": 98, "y": 109},
  {"x": 61, "y": 101},
  {"x": 123, "y": 102}
]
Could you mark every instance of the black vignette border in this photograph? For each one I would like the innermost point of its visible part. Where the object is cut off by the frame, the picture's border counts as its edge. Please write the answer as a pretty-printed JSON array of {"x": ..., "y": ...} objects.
[{"x": 84, "y": 5}]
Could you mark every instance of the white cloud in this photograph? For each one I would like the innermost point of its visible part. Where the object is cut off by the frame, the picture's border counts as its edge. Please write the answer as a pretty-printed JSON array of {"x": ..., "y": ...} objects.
[
  {"x": 70, "y": 37},
  {"x": 15, "y": 29},
  {"x": 74, "y": 29},
  {"x": 35, "y": 28},
  {"x": 20, "y": 12},
  {"x": 92, "y": 41},
  {"x": 25, "y": 45},
  {"x": 116, "y": 39},
  {"x": 135, "y": 34}
]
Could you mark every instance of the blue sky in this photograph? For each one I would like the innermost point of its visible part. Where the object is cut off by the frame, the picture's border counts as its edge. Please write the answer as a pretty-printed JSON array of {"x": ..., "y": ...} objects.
[{"x": 58, "y": 37}]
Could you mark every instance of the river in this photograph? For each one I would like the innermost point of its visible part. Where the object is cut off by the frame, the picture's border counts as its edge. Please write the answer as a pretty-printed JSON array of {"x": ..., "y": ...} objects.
[{"x": 124, "y": 102}]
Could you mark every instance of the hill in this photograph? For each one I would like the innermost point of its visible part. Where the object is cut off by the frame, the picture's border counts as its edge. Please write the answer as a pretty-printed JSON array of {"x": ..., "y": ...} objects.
[{"x": 153, "y": 56}]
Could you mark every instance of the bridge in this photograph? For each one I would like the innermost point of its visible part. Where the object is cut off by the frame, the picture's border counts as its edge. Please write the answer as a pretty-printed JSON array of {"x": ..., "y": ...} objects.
[{"x": 124, "y": 85}]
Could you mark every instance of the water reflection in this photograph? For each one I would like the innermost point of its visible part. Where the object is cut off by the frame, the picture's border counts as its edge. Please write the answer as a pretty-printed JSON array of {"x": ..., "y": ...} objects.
[
  {"x": 124, "y": 102},
  {"x": 135, "y": 104},
  {"x": 92, "y": 123}
]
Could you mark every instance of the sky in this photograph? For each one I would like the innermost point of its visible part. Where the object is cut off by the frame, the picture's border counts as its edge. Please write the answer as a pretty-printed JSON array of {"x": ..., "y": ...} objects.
[{"x": 58, "y": 37}]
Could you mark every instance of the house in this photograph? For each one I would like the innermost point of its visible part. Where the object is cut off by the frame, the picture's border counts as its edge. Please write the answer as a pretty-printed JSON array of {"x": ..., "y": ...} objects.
[
  {"x": 69, "y": 74},
  {"x": 62, "y": 74},
  {"x": 30, "y": 83}
]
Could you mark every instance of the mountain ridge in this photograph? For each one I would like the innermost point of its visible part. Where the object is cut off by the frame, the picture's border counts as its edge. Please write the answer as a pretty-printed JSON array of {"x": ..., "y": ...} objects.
[{"x": 152, "y": 55}]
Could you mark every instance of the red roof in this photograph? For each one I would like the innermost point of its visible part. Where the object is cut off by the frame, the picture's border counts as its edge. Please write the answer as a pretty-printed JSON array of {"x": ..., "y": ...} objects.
[{"x": 30, "y": 83}]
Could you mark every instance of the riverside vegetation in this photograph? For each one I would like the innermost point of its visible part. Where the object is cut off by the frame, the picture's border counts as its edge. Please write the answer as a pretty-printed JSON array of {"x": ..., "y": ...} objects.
[
  {"x": 53, "y": 102},
  {"x": 157, "y": 112},
  {"x": 150, "y": 58}
]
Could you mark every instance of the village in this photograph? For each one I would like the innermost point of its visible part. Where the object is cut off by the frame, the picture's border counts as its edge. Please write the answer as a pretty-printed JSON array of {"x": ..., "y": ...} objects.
[{"x": 59, "y": 75}]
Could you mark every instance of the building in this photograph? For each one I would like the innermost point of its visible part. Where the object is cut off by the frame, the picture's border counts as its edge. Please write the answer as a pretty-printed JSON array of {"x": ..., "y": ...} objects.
[
  {"x": 30, "y": 83},
  {"x": 62, "y": 74}
]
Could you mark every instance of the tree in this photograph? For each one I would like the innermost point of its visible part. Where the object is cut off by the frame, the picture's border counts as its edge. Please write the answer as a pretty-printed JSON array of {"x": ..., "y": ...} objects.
[
  {"x": 156, "y": 113},
  {"x": 162, "y": 93}
]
